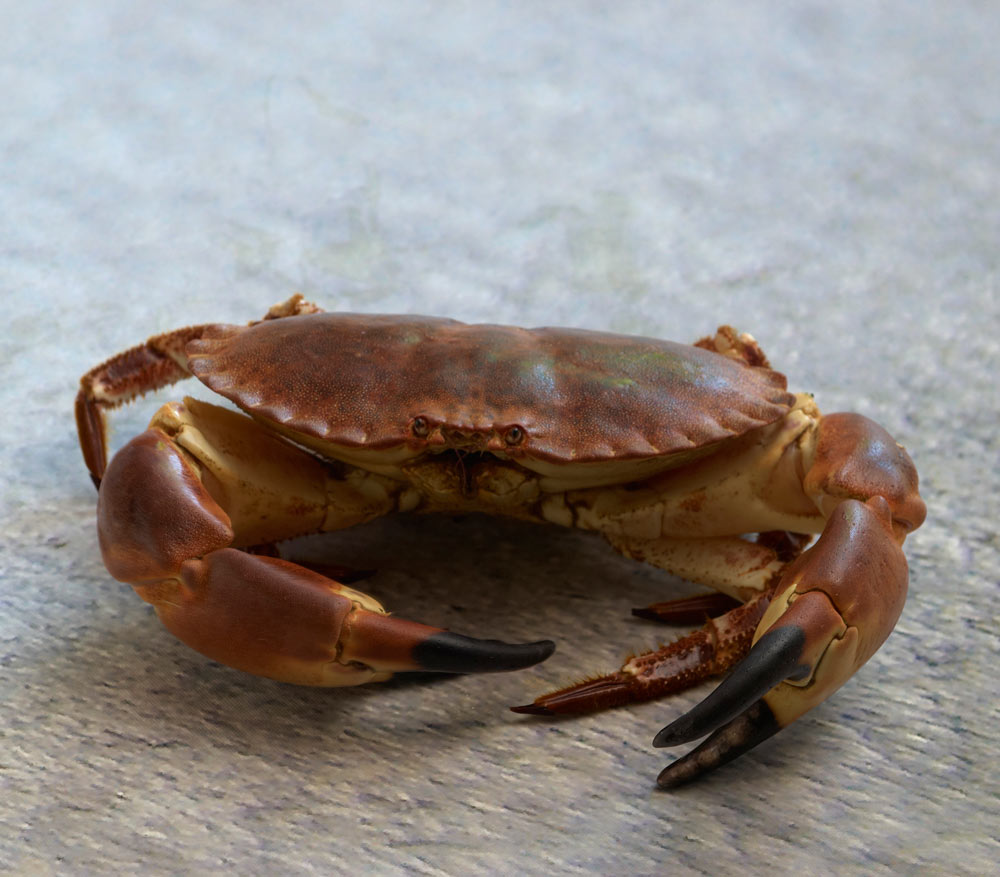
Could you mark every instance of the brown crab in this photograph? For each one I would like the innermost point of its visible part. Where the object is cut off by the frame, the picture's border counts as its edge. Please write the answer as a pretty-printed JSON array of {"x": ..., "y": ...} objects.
[{"x": 673, "y": 453}]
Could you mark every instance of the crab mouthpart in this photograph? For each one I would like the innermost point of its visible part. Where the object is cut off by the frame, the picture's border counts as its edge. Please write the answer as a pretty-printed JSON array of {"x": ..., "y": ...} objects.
[{"x": 465, "y": 439}]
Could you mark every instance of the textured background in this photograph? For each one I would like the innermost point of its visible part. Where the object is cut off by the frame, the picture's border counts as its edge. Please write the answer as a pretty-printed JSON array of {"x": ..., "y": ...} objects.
[{"x": 826, "y": 178}]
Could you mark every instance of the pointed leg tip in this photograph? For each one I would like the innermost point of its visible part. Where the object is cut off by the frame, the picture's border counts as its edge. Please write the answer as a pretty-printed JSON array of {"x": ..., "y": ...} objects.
[
  {"x": 687, "y": 610},
  {"x": 645, "y": 613},
  {"x": 603, "y": 692},
  {"x": 533, "y": 709}
]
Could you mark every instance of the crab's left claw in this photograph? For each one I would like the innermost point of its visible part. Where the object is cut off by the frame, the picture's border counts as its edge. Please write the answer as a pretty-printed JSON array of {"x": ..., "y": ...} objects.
[{"x": 832, "y": 609}]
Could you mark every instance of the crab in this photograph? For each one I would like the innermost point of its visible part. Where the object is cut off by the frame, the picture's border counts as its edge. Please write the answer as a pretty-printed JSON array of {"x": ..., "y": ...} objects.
[{"x": 695, "y": 459}]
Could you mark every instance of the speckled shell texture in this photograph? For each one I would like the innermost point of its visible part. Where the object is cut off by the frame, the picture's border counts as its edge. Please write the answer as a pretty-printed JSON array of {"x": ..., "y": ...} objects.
[{"x": 359, "y": 380}]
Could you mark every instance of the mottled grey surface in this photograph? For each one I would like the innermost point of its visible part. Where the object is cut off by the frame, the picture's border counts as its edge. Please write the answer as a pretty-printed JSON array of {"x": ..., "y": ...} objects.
[{"x": 825, "y": 176}]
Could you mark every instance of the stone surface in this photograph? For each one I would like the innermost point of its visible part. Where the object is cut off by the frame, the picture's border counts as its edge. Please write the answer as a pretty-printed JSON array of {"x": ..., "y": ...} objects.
[{"x": 823, "y": 177}]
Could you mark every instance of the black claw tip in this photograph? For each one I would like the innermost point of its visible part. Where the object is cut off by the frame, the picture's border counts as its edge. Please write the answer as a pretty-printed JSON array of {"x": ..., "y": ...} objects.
[
  {"x": 774, "y": 658},
  {"x": 448, "y": 652},
  {"x": 751, "y": 727}
]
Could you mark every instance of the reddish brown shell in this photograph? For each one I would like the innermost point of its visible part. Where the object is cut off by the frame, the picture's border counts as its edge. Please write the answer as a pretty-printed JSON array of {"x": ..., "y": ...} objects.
[{"x": 360, "y": 381}]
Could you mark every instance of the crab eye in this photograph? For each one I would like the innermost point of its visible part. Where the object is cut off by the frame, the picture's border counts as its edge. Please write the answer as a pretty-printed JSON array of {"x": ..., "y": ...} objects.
[
  {"x": 514, "y": 436},
  {"x": 419, "y": 427}
]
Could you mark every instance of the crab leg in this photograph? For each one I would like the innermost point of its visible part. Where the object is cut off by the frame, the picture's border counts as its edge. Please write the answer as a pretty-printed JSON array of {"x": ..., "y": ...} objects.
[
  {"x": 175, "y": 500},
  {"x": 738, "y": 569},
  {"x": 159, "y": 362},
  {"x": 720, "y": 644},
  {"x": 833, "y": 608},
  {"x": 687, "y": 610}
]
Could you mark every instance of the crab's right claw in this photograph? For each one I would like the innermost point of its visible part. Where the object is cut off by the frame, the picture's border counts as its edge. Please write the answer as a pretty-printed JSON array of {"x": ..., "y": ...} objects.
[
  {"x": 163, "y": 532},
  {"x": 277, "y": 619},
  {"x": 832, "y": 609}
]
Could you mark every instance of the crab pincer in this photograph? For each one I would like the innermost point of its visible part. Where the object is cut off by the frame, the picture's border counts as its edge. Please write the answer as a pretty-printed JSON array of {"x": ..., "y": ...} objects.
[
  {"x": 834, "y": 607},
  {"x": 791, "y": 646},
  {"x": 162, "y": 531}
]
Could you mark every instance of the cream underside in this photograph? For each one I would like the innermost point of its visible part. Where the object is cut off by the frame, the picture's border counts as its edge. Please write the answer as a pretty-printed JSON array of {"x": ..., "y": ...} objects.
[
  {"x": 684, "y": 514},
  {"x": 553, "y": 477}
]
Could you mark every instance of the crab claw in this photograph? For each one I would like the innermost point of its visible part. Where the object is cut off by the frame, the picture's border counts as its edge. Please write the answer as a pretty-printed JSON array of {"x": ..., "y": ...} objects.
[
  {"x": 389, "y": 643},
  {"x": 832, "y": 609},
  {"x": 227, "y": 603},
  {"x": 163, "y": 532}
]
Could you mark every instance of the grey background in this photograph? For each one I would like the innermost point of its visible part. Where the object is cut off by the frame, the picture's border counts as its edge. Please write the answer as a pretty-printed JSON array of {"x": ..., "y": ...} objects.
[{"x": 822, "y": 175}]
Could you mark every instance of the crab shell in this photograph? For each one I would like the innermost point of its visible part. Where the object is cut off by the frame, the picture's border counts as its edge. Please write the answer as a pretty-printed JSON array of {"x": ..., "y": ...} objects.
[{"x": 588, "y": 407}]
